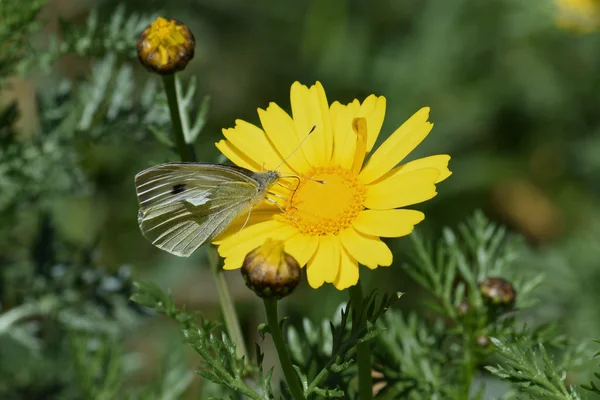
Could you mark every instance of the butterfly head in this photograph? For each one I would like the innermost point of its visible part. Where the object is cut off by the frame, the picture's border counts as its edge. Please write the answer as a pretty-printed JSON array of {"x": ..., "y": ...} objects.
[{"x": 266, "y": 179}]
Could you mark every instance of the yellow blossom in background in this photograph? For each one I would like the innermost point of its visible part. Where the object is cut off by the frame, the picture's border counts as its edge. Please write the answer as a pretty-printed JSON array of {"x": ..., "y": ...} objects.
[
  {"x": 338, "y": 206},
  {"x": 581, "y": 16}
]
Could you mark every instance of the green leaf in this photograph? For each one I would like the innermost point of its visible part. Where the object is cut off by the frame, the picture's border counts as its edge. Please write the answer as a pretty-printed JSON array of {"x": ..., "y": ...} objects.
[
  {"x": 219, "y": 361},
  {"x": 533, "y": 372},
  {"x": 263, "y": 329}
]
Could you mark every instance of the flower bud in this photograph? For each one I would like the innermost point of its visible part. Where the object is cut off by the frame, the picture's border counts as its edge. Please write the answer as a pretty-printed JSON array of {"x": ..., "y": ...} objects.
[
  {"x": 271, "y": 272},
  {"x": 498, "y": 292},
  {"x": 483, "y": 341},
  {"x": 166, "y": 46},
  {"x": 464, "y": 308}
]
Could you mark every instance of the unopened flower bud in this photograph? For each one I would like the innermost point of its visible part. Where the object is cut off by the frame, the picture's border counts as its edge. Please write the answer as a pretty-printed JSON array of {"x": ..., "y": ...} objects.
[
  {"x": 166, "y": 46},
  {"x": 498, "y": 292},
  {"x": 483, "y": 341},
  {"x": 464, "y": 308},
  {"x": 271, "y": 272}
]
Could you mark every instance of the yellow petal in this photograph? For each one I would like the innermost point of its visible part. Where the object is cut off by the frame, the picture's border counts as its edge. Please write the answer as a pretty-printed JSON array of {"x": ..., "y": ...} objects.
[
  {"x": 234, "y": 261},
  {"x": 325, "y": 264},
  {"x": 262, "y": 212},
  {"x": 373, "y": 110},
  {"x": 344, "y": 139},
  {"x": 439, "y": 162},
  {"x": 255, "y": 144},
  {"x": 401, "y": 190},
  {"x": 281, "y": 132},
  {"x": 236, "y": 156},
  {"x": 397, "y": 146},
  {"x": 348, "y": 275},
  {"x": 302, "y": 247},
  {"x": 359, "y": 126},
  {"x": 235, "y": 247},
  {"x": 366, "y": 249},
  {"x": 253, "y": 236},
  {"x": 310, "y": 108},
  {"x": 387, "y": 223}
]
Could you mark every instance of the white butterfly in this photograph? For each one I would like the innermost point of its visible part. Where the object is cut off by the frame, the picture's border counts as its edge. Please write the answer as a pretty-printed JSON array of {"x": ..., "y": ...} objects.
[{"x": 184, "y": 205}]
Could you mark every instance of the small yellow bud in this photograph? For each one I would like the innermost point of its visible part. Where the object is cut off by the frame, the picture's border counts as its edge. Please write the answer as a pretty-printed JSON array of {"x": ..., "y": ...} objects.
[
  {"x": 271, "y": 272},
  {"x": 498, "y": 292},
  {"x": 166, "y": 46}
]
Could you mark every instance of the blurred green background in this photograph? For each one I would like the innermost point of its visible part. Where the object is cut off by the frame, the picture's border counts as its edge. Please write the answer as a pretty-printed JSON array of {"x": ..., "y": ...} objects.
[{"x": 513, "y": 86}]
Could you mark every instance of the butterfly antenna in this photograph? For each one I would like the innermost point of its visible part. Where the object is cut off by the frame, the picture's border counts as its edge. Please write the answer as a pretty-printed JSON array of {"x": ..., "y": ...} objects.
[{"x": 297, "y": 147}]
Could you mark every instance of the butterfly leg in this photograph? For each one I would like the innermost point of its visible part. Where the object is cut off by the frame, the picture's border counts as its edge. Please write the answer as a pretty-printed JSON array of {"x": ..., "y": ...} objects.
[
  {"x": 282, "y": 198},
  {"x": 247, "y": 219},
  {"x": 289, "y": 177},
  {"x": 270, "y": 200}
]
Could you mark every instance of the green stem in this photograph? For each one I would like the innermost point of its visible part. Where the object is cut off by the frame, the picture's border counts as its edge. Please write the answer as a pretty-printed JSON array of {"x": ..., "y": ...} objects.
[
  {"x": 363, "y": 352},
  {"x": 186, "y": 154},
  {"x": 229, "y": 314},
  {"x": 292, "y": 379},
  {"x": 469, "y": 366},
  {"x": 171, "y": 91}
]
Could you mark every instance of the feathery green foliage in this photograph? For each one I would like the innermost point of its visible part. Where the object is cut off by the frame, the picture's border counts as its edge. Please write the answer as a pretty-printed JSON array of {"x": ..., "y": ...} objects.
[
  {"x": 513, "y": 98},
  {"x": 531, "y": 371}
]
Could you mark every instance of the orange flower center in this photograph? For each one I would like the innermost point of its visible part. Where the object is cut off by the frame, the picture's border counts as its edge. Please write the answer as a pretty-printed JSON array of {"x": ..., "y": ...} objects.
[{"x": 326, "y": 201}]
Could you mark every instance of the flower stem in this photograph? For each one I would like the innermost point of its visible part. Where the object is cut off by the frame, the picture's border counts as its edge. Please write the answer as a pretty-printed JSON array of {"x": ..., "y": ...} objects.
[
  {"x": 229, "y": 314},
  {"x": 363, "y": 353},
  {"x": 292, "y": 379},
  {"x": 182, "y": 147},
  {"x": 186, "y": 153},
  {"x": 469, "y": 366}
]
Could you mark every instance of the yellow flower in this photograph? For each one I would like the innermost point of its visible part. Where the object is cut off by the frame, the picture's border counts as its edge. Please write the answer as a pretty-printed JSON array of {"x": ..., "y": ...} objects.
[
  {"x": 336, "y": 206},
  {"x": 166, "y": 46},
  {"x": 582, "y": 16}
]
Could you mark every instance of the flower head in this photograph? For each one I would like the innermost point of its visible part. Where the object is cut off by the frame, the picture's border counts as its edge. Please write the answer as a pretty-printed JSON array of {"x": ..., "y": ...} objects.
[
  {"x": 333, "y": 210},
  {"x": 271, "y": 272},
  {"x": 166, "y": 46}
]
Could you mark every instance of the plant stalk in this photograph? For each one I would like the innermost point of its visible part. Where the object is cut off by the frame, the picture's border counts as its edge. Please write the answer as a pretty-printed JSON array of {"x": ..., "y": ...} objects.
[
  {"x": 363, "y": 352},
  {"x": 227, "y": 308},
  {"x": 291, "y": 377},
  {"x": 182, "y": 147},
  {"x": 186, "y": 154}
]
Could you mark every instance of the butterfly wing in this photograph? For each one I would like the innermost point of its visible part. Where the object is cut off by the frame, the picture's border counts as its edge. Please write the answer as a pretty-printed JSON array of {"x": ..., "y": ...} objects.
[{"x": 184, "y": 205}]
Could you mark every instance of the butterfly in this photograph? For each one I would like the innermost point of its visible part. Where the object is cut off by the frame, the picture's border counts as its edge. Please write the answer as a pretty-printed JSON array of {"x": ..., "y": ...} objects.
[{"x": 184, "y": 205}]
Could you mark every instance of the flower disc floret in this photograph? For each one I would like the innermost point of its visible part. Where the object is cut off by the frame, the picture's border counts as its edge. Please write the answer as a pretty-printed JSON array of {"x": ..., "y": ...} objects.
[{"x": 326, "y": 201}]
